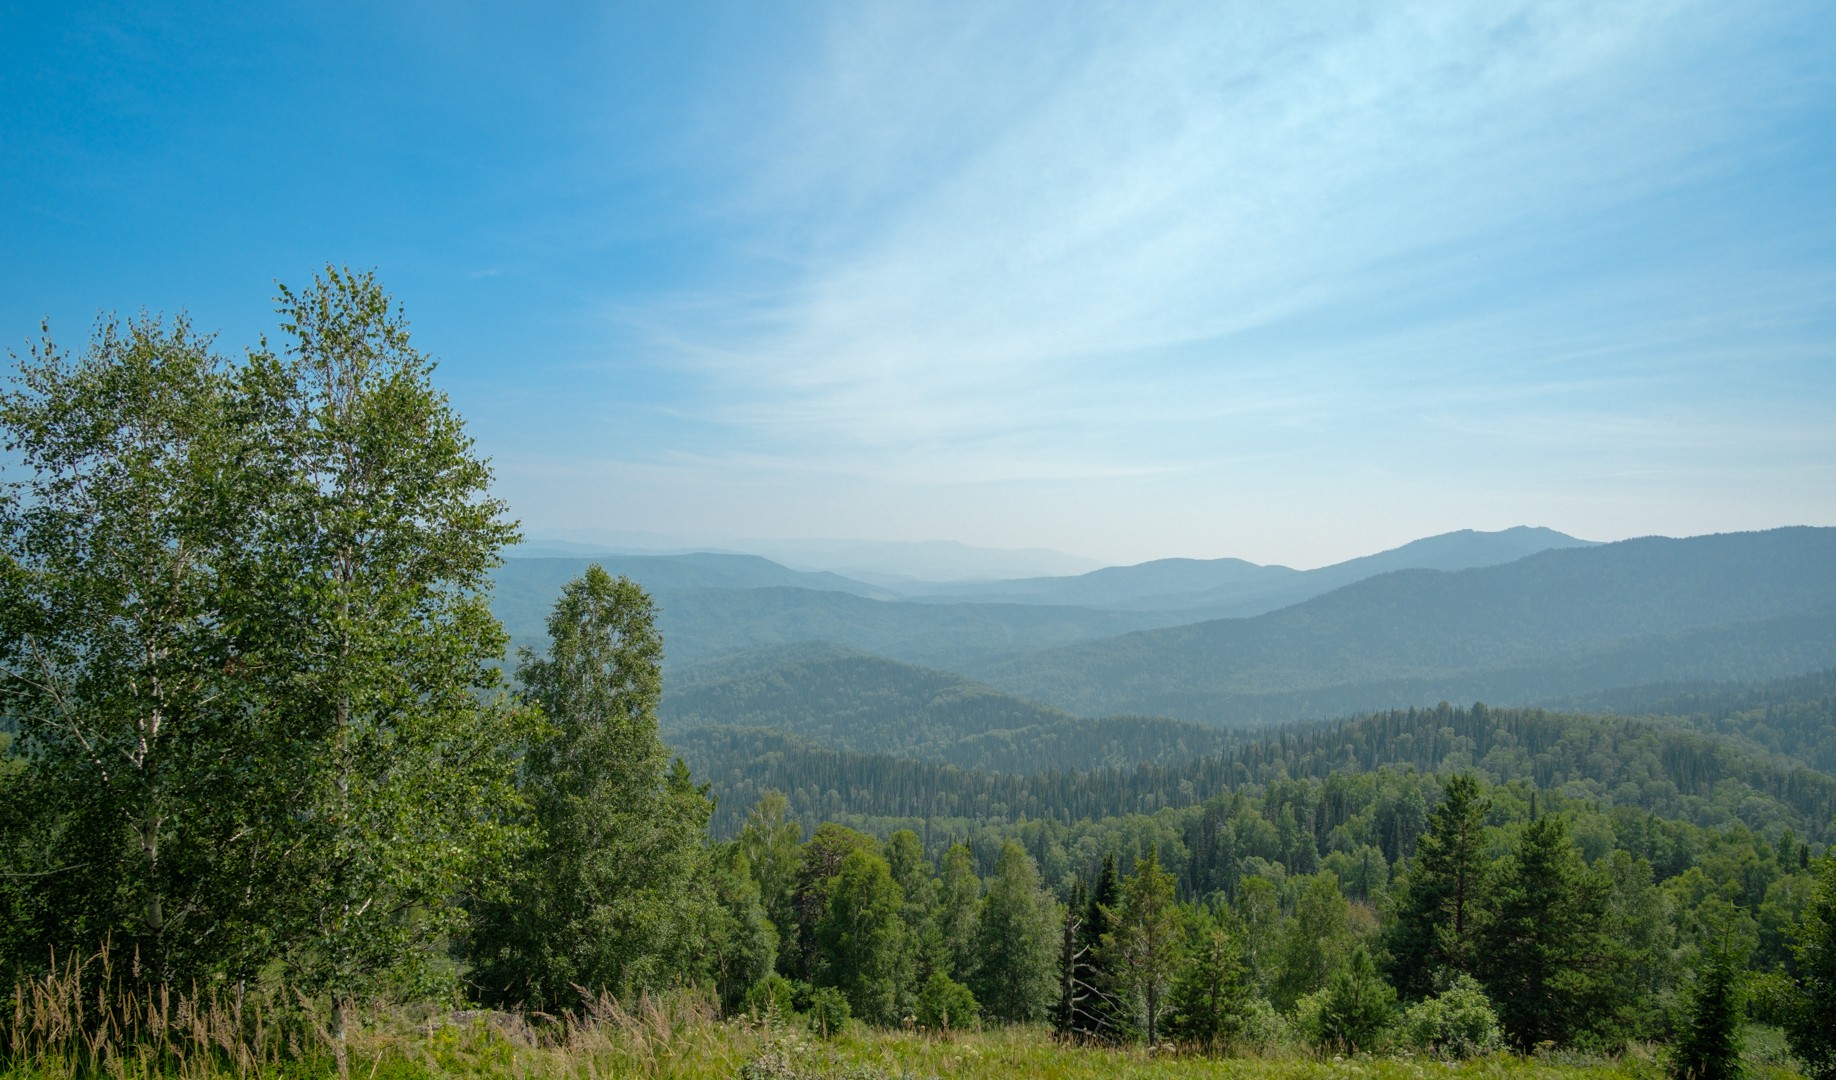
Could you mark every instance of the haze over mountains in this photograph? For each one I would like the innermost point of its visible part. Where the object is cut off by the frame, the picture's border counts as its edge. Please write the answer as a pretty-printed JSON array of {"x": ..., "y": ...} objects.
[{"x": 952, "y": 671}]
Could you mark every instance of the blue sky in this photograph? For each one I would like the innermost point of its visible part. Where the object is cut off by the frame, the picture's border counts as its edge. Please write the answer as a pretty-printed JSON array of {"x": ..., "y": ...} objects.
[{"x": 1284, "y": 282}]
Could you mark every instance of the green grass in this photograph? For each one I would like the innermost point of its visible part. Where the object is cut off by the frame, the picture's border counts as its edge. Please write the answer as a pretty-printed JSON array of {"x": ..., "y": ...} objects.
[{"x": 62, "y": 1030}]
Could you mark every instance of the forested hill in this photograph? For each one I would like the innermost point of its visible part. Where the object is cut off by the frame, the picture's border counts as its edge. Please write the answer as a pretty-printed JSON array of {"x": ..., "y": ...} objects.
[
  {"x": 1559, "y": 623},
  {"x": 700, "y": 624},
  {"x": 849, "y": 701},
  {"x": 714, "y": 603},
  {"x": 1651, "y": 765},
  {"x": 1233, "y": 588},
  {"x": 1795, "y": 718},
  {"x": 525, "y": 587}
]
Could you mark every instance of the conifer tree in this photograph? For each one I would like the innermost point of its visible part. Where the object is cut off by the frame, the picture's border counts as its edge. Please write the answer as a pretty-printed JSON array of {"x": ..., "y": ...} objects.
[
  {"x": 1810, "y": 1027},
  {"x": 1356, "y": 1006},
  {"x": 1435, "y": 927},
  {"x": 1708, "y": 1039},
  {"x": 1210, "y": 995},
  {"x": 1545, "y": 958},
  {"x": 1089, "y": 1004}
]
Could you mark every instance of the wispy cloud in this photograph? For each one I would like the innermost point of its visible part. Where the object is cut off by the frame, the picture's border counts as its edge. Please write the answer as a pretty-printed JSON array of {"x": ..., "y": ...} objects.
[{"x": 1002, "y": 239}]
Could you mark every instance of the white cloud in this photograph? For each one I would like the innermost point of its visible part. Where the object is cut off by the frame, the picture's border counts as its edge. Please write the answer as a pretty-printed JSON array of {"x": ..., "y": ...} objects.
[
  {"x": 981, "y": 215},
  {"x": 1044, "y": 243}
]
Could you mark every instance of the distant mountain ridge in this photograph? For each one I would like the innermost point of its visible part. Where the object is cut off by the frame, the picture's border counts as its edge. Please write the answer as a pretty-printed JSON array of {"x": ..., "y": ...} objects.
[
  {"x": 714, "y": 602},
  {"x": 1563, "y": 610},
  {"x": 850, "y": 701},
  {"x": 1225, "y": 588}
]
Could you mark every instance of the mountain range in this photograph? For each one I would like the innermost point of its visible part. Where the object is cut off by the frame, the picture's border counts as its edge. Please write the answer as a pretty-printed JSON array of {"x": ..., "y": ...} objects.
[{"x": 1523, "y": 616}]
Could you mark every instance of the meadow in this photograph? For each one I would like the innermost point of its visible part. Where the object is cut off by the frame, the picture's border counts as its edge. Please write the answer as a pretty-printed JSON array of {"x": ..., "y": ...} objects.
[{"x": 70, "y": 1026}]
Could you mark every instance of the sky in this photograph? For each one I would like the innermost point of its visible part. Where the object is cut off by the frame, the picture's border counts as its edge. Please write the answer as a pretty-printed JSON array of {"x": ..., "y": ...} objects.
[{"x": 1284, "y": 282}]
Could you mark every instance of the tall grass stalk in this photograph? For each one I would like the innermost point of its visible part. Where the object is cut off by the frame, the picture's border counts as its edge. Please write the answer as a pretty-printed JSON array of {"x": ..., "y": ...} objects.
[{"x": 81, "y": 1018}]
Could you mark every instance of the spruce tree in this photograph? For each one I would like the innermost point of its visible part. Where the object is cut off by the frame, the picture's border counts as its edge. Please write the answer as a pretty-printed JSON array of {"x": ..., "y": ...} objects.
[
  {"x": 1811, "y": 1025},
  {"x": 1089, "y": 995},
  {"x": 1708, "y": 1039},
  {"x": 1357, "y": 1005},
  {"x": 1545, "y": 958},
  {"x": 1435, "y": 927},
  {"x": 1210, "y": 995}
]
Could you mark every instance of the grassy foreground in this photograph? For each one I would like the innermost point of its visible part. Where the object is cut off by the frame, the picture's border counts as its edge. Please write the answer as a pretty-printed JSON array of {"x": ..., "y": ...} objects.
[{"x": 61, "y": 1028}]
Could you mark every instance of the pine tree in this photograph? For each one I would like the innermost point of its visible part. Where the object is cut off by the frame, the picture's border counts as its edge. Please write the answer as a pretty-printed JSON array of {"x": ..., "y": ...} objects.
[
  {"x": 1545, "y": 958},
  {"x": 1708, "y": 1041},
  {"x": 1435, "y": 927},
  {"x": 1810, "y": 1027},
  {"x": 1210, "y": 995}
]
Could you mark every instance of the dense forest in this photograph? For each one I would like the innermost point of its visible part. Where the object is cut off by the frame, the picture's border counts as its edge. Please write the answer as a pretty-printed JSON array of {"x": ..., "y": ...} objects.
[
  {"x": 260, "y": 735},
  {"x": 1656, "y": 766}
]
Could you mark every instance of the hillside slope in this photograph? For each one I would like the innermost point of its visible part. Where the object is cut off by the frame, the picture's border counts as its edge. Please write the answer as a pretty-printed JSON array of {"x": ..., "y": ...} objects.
[
  {"x": 849, "y": 701},
  {"x": 1562, "y": 622},
  {"x": 1217, "y": 588},
  {"x": 1654, "y": 765}
]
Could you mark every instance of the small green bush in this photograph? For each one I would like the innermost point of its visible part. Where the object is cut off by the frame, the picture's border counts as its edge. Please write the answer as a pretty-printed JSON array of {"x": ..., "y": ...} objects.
[
  {"x": 771, "y": 998},
  {"x": 1354, "y": 1011},
  {"x": 1263, "y": 1029},
  {"x": 1459, "y": 1022},
  {"x": 946, "y": 1005},
  {"x": 829, "y": 1012}
]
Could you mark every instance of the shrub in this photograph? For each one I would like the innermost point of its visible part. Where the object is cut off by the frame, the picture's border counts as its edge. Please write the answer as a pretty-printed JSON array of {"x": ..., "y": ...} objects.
[
  {"x": 1263, "y": 1028},
  {"x": 829, "y": 1011},
  {"x": 945, "y": 1004},
  {"x": 772, "y": 997},
  {"x": 1458, "y": 1022},
  {"x": 1354, "y": 1010}
]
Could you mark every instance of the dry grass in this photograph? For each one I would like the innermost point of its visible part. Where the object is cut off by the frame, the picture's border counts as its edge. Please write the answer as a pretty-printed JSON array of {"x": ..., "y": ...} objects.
[{"x": 78, "y": 1023}]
